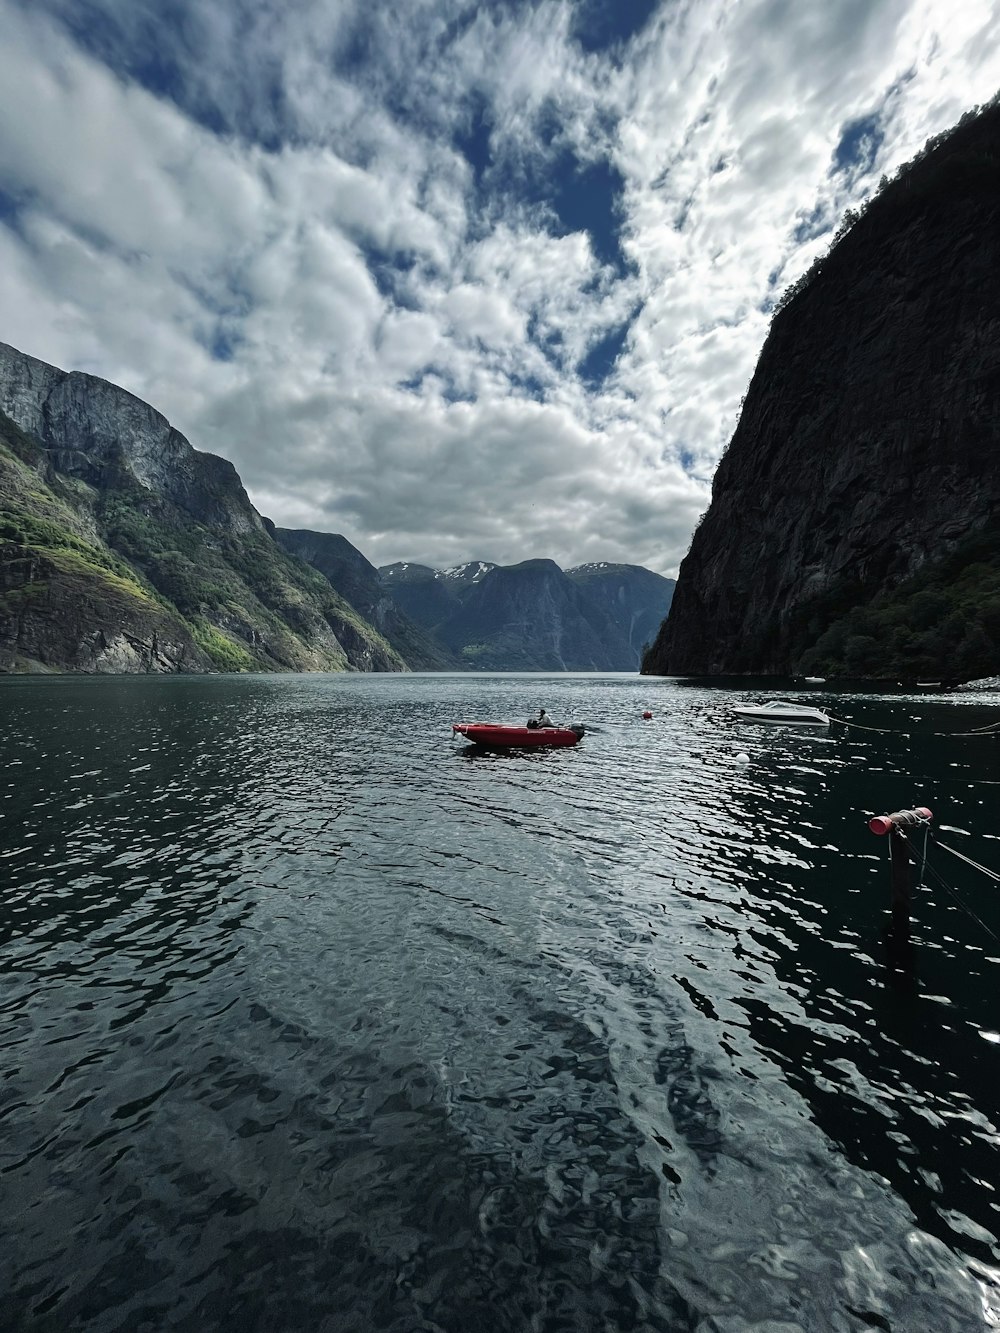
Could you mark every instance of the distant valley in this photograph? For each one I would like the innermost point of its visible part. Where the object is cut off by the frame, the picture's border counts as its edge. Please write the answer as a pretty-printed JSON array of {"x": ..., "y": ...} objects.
[
  {"x": 124, "y": 549},
  {"x": 535, "y": 616}
]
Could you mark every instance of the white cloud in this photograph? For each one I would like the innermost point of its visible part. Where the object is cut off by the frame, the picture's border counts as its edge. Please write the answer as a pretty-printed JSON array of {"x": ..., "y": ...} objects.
[{"x": 281, "y": 247}]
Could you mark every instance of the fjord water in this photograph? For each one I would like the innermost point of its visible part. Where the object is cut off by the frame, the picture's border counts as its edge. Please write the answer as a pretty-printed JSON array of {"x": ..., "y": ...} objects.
[{"x": 315, "y": 1019}]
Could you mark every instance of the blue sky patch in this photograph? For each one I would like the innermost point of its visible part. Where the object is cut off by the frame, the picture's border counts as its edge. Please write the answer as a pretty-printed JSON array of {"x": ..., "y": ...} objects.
[
  {"x": 473, "y": 139},
  {"x": 602, "y": 26},
  {"x": 812, "y": 224},
  {"x": 10, "y": 208},
  {"x": 860, "y": 141},
  {"x": 599, "y": 362},
  {"x": 223, "y": 345},
  {"x": 585, "y": 197}
]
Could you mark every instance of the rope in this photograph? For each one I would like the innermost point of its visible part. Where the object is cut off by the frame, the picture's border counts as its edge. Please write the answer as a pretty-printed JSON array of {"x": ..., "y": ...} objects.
[
  {"x": 923, "y": 854},
  {"x": 925, "y": 866},
  {"x": 990, "y": 874},
  {"x": 886, "y": 731},
  {"x": 891, "y": 731},
  {"x": 968, "y": 910}
]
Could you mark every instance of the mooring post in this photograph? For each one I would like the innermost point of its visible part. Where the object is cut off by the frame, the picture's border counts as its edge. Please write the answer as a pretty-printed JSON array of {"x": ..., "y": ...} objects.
[
  {"x": 899, "y": 857},
  {"x": 902, "y": 884}
]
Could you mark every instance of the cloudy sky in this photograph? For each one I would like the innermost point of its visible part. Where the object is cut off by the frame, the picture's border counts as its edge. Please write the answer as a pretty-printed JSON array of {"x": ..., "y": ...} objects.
[{"x": 455, "y": 280}]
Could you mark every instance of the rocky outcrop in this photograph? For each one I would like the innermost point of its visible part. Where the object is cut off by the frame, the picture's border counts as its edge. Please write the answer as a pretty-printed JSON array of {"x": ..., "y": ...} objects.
[
  {"x": 96, "y": 432},
  {"x": 866, "y": 453}
]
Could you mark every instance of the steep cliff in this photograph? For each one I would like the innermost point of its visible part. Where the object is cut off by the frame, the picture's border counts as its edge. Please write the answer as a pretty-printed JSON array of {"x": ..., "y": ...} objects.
[
  {"x": 529, "y": 617},
  {"x": 122, "y": 548},
  {"x": 635, "y": 599},
  {"x": 863, "y": 472},
  {"x": 67, "y": 602}
]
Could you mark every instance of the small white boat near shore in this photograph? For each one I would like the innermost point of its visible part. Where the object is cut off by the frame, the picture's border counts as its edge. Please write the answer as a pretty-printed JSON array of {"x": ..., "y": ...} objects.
[{"x": 783, "y": 710}]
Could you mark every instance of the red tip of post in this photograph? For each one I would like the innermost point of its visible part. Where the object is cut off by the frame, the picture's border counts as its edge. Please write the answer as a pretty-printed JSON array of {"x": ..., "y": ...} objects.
[
  {"x": 886, "y": 823},
  {"x": 647, "y": 716}
]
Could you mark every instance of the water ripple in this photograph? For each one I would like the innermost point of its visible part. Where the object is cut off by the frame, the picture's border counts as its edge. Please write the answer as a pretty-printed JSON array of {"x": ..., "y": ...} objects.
[{"x": 316, "y": 1019}]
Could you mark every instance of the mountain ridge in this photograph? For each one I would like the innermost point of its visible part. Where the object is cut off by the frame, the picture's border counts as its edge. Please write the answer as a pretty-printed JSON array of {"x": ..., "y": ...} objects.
[
  {"x": 124, "y": 549},
  {"x": 534, "y": 616}
]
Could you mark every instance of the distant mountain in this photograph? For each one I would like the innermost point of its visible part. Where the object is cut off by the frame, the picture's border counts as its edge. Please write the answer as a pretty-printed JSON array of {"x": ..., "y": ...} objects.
[
  {"x": 358, "y": 581},
  {"x": 124, "y": 549},
  {"x": 533, "y": 616},
  {"x": 636, "y": 599},
  {"x": 430, "y": 596}
]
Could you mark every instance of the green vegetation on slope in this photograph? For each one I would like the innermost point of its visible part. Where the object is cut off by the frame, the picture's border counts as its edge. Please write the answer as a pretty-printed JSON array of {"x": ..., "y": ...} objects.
[
  {"x": 76, "y": 561},
  {"x": 70, "y": 552},
  {"x": 942, "y": 624},
  {"x": 245, "y": 586}
]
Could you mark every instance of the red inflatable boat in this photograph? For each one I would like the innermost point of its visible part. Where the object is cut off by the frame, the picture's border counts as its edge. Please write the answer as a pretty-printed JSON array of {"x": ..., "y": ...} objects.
[{"x": 497, "y": 737}]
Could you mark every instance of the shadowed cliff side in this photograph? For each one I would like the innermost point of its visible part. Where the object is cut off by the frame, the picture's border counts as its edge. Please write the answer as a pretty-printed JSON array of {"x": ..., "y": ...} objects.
[{"x": 863, "y": 472}]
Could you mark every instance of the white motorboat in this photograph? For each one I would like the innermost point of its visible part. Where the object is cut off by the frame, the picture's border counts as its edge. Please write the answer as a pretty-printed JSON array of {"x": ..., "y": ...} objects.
[
  {"x": 814, "y": 680},
  {"x": 782, "y": 710}
]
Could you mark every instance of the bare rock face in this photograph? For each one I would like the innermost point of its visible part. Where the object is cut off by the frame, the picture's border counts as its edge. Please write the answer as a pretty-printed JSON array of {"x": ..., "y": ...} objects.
[
  {"x": 92, "y": 428},
  {"x": 531, "y": 617},
  {"x": 869, "y": 441}
]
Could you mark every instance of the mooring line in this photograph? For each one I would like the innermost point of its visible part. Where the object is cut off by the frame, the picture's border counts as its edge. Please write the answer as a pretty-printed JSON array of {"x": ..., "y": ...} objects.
[
  {"x": 929, "y": 869},
  {"x": 991, "y": 874},
  {"x": 893, "y": 731}
]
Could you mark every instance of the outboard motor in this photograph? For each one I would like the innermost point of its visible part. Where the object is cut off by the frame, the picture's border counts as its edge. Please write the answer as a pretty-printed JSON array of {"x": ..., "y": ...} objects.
[{"x": 575, "y": 726}]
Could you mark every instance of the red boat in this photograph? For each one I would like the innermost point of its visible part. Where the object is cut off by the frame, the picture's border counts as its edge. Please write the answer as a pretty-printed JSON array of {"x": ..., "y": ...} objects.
[{"x": 497, "y": 737}]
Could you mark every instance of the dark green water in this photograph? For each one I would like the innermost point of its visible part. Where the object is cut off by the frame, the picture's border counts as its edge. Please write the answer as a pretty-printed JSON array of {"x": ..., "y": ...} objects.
[{"x": 313, "y": 1019}]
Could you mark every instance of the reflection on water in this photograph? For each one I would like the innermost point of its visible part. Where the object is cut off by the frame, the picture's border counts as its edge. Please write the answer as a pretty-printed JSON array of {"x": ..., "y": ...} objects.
[{"x": 313, "y": 1019}]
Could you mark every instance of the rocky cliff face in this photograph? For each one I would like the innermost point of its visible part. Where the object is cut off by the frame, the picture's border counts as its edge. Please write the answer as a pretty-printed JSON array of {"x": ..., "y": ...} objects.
[
  {"x": 531, "y": 617},
  {"x": 96, "y": 431},
  {"x": 868, "y": 445},
  {"x": 635, "y": 599},
  {"x": 122, "y": 548}
]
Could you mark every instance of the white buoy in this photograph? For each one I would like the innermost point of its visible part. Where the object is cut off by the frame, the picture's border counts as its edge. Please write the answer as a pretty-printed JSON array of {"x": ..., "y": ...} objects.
[{"x": 742, "y": 758}]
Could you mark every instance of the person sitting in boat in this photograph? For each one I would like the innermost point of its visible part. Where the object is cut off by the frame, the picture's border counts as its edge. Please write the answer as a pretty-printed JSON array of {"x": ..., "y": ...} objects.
[{"x": 542, "y": 720}]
